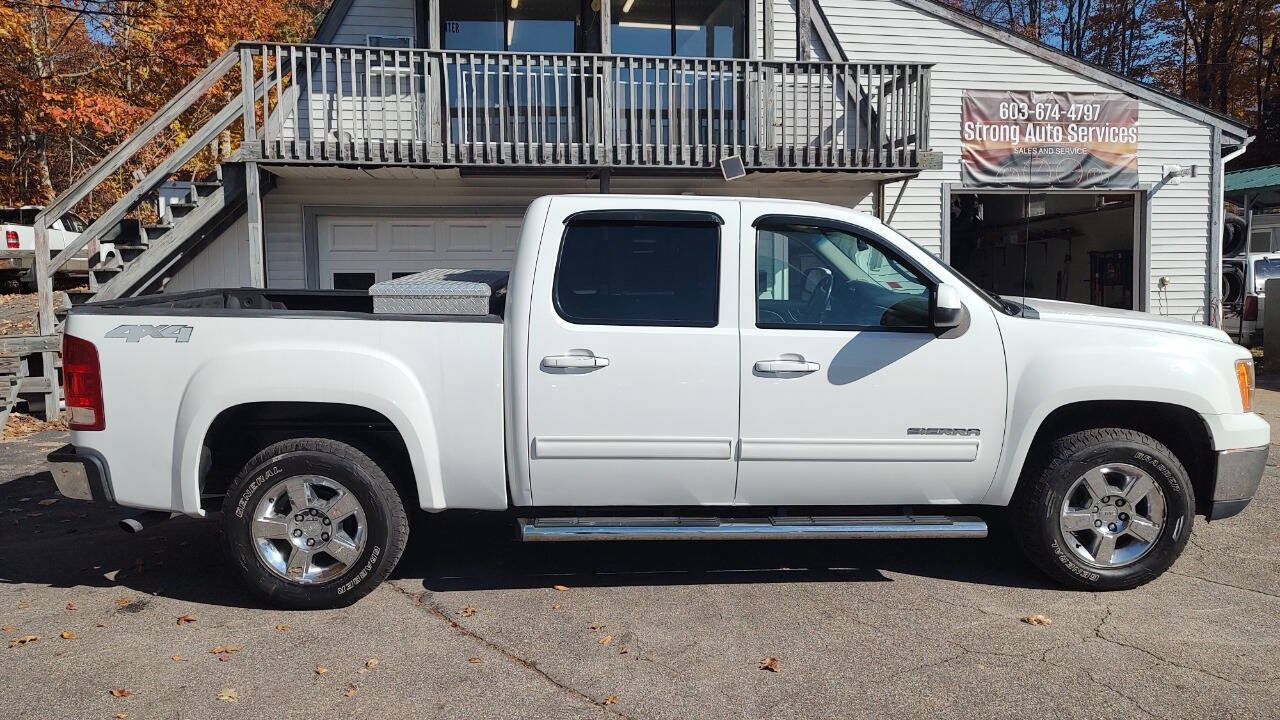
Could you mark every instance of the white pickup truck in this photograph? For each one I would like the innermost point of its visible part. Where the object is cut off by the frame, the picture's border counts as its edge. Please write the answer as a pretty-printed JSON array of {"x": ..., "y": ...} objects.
[
  {"x": 17, "y": 255},
  {"x": 665, "y": 368}
]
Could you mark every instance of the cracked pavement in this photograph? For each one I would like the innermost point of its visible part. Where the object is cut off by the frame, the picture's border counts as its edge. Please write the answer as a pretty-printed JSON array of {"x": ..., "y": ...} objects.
[{"x": 860, "y": 629}]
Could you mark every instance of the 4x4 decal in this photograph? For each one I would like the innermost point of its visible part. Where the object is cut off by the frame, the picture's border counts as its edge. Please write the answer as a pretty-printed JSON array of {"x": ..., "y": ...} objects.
[{"x": 135, "y": 333}]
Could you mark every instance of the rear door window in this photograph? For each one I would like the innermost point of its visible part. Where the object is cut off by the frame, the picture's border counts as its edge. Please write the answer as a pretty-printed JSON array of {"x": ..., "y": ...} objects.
[{"x": 622, "y": 272}]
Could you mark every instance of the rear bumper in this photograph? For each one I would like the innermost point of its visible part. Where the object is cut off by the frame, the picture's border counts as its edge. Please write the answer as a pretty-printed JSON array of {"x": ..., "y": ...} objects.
[
  {"x": 1236, "y": 477},
  {"x": 80, "y": 474}
]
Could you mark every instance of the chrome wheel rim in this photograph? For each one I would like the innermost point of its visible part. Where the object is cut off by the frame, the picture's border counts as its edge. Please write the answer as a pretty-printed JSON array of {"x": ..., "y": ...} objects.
[
  {"x": 1112, "y": 515},
  {"x": 309, "y": 529}
]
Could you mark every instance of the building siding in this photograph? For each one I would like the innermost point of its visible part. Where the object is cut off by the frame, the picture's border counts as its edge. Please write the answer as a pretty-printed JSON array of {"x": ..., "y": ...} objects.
[
  {"x": 886, "y": 31},
  {"x": 224, "y": 262},
  {"x": 376, "y": 17}
]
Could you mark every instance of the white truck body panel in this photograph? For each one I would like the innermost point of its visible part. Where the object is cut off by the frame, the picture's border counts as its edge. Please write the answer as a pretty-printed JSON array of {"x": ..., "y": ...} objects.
[
  {"x": 439, "y": 383},
  {"x": 680, "y": 415}
]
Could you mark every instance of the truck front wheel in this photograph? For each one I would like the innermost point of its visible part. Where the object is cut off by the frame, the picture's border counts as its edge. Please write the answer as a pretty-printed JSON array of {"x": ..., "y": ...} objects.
[
  {"x": 313, "y": 523},
  {"x": 1104, "y": 509}
]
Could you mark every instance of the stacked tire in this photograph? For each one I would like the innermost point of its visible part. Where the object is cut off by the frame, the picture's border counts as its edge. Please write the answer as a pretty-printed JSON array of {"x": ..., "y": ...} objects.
[{"x": 1235, "y": 235}]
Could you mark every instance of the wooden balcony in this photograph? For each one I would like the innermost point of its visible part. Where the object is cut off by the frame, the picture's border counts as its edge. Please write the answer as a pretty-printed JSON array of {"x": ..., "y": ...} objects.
[{"x": 381, "y": 106}]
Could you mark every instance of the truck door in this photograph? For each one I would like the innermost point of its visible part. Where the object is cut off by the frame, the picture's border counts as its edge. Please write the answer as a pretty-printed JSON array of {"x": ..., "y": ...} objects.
[
  {"x": 849, "y": 397},
  {"x": 633, "y": 346}
]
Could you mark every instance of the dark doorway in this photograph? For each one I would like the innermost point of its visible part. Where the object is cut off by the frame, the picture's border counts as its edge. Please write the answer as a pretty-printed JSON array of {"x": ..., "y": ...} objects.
[{"x": 1077, "y": 247}]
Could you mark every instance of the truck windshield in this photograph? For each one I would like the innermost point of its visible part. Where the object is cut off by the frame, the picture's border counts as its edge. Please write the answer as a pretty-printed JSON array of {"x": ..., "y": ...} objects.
[{"x": 1263, "y": 270}]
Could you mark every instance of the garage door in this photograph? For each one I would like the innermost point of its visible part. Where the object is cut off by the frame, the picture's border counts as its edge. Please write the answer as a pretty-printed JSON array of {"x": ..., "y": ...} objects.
[{"x": 354, "y": 252}]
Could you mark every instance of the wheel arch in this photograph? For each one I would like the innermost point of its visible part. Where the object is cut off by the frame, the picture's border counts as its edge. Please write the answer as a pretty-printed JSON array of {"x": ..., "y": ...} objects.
[
  {"x": 1179, "y": 428},
  {"x": 355, "y": 382},
  {"x": 240, "y": 432}
]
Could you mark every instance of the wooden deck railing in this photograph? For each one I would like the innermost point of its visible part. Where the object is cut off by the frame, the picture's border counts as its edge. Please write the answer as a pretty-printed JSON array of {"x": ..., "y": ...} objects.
[{"x": 411, "y": 106}]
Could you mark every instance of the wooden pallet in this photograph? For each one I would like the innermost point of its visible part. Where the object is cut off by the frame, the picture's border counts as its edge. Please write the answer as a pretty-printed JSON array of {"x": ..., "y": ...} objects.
[{"x": 14, "y": 379}]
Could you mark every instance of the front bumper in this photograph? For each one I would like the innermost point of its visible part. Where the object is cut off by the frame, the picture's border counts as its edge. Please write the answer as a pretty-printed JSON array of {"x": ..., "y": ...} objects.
[
  {"x": 1236, "y": 477},
  {"x": 80, "y": 474}
]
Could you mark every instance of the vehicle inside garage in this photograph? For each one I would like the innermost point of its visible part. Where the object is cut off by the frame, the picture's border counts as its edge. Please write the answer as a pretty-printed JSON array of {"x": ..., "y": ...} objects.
[{"x": 1072, "y": 246}]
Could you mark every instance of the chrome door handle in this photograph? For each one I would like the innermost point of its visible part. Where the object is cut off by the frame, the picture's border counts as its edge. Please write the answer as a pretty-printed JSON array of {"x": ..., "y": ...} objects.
[
  {"x": 574, "y": 361},
  {"x": 785, "y": 365}
]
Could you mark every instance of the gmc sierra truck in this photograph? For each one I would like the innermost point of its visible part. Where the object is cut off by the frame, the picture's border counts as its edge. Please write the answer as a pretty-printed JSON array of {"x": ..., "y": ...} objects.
[{"x": 662, "y": 368}]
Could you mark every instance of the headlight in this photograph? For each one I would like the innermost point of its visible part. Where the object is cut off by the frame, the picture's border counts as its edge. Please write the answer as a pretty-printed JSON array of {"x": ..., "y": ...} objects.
[{"x": 1244, "y": 377}]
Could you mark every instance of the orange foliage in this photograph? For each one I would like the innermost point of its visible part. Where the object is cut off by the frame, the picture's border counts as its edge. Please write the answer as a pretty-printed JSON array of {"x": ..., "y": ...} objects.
[{"x": 80, "y": 75}]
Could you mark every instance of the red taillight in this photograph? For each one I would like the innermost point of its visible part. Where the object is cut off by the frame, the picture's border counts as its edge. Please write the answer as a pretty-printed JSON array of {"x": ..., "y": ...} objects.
[
  {"x": 82, "y": 378},
  {"x": 1250, "y": 311},
  {"x": 11, "y": 239}
]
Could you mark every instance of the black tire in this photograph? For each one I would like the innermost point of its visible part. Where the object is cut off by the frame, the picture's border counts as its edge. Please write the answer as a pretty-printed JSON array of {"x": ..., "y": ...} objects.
[
  {"x": 387, "y": 527},
  {"x": 1234, "y": 235},
  {"x": 1041, "y": 494}
]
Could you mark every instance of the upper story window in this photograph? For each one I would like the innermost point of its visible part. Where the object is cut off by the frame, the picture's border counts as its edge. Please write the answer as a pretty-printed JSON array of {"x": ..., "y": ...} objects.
[
  {"x": 518, "y": 25},
  {"x": 623, "y": 272},
  {"x": 684, "y": 28}
]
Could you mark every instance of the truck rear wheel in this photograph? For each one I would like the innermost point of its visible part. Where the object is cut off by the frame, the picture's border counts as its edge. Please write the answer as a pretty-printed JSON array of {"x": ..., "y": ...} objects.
[
  {"x": 1104, "y": 509},
  {"x": 313, "y": 523}
]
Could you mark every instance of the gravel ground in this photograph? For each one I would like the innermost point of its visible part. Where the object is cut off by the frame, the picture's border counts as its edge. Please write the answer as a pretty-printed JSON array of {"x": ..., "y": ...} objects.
[{"x": 472, "y": 626}]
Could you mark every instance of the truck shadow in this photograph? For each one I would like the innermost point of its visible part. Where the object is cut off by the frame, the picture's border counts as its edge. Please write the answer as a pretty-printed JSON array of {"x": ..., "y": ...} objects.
[
  {"x": 471, "y": 551},
  {"x": 69, "y": 544}
]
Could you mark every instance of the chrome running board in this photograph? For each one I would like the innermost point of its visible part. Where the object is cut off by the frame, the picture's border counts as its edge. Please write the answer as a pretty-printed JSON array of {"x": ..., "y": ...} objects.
[{"x": 771, "y": 528}]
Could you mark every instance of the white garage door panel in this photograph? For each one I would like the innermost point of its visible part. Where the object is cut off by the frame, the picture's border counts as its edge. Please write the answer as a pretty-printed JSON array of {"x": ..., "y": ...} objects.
[{"x": 381, "y": 248}]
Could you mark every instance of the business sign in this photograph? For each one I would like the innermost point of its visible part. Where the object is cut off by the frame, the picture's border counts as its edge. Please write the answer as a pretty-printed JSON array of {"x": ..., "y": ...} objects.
[{"x": 1018, "y": 138}]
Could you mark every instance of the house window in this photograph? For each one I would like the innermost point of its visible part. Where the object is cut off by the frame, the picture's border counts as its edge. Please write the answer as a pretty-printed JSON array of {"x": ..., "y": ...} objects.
[
  {"x": 516, "y": 25},
  {"x": 683, "y": 28}
]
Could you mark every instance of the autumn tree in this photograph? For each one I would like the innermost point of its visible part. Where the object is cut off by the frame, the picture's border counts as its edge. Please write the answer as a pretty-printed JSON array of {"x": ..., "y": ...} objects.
[{"x": 80, "y": 75}]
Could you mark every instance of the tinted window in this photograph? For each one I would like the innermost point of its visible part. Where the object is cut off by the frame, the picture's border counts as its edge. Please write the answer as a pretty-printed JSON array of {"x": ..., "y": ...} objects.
[
  {"x": 813, "y": 277},
  {"x": 352, "y": 280},
  {"x": 639, "y": 273}
]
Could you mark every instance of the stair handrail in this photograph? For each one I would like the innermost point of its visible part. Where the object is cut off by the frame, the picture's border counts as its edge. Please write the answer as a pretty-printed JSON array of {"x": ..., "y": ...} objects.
[{"x": 116, "y": 159}]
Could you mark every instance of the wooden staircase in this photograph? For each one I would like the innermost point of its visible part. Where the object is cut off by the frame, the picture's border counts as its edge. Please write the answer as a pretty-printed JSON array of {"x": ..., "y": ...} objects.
[{"x": 142, "y": 253}]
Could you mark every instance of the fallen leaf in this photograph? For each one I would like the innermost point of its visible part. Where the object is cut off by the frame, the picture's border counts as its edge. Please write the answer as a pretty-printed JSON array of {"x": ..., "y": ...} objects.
[
  {"x": 7, "y": 629},
  {"x": 320, "y": 669},
  {"x": 610, "y": 700},
  {"x": 597, "y": 627},
  {"x": 555, "y": 606},
  {"x": 121, "y": 693},
  {"x": 23, "y": 605},
  {"x": 224, "y": 649},
  {"x": 282, "y": 627},
  {"x": 25, "y": 639},
  {"x": 606, "y": 639},
  {"x": 122, "y": 601},
  {"x": 186, "y": 618},
  {"x": 47, "y": 501},
  {"x": 468, "y": 611},
  {"x": 100, "y": 625},
  {"x": 68, "y": 635},
  {"x": 1037, "y": 620},
  {"x": 561, "y": 588},
  {"x": 177, "y": 658},
  {"x": 120, "y": 716},
  {"x": 71, "y": 606},
  {"x": 769, "y": 663},
  {"x": 371, "y": 663},
  {"x": 474, "y": 661},
  {"x": 229, "y": 695},
  {"x": 350, "y": 691},
  {"x": 624, "y": 650}
]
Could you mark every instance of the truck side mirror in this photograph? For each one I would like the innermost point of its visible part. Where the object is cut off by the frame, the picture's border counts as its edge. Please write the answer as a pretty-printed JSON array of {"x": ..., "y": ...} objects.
[{"x": 947, "y": 308}]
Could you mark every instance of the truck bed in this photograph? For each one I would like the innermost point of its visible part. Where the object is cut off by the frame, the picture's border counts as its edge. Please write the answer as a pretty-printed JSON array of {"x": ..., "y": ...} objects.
[
  {"x": 172, "y": 364},
  {"x": 230, "y": 302}
]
